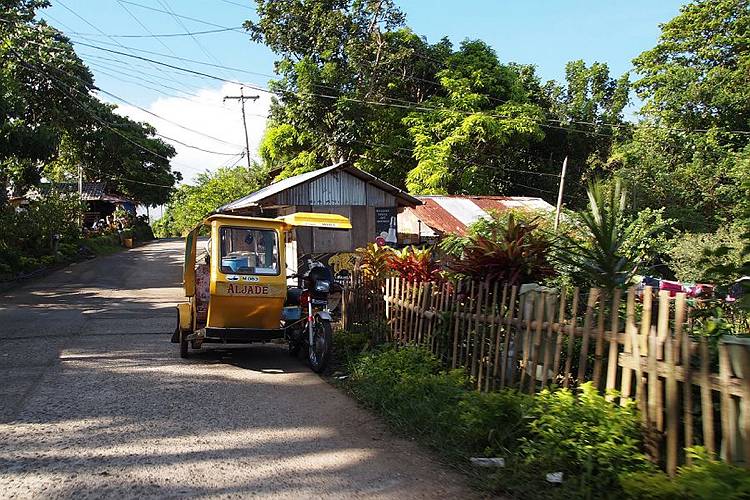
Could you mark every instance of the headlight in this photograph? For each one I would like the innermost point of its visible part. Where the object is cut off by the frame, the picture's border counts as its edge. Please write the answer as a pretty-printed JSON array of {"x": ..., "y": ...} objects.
[{"x": 322, "y": 286}]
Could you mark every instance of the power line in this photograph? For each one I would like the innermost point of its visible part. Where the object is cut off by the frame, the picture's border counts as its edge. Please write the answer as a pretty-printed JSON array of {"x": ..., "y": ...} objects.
[
  {"x": 207, "y": 23},
  {"x": 160, "y": 35}
]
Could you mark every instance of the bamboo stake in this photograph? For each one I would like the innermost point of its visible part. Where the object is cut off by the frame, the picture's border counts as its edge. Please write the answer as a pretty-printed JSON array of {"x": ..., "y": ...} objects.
[
  {"x": 683, "y": 341},
  {"x": 431, "y": 307},
  {"x": 548, "y": 346},
  {"x": 728, "y": 409},
  {"x": 571, "y": 338},
  {"x": 456, "y": 324},
  {"x": 485, "y": 327},
  {"x": 599, "y": 349},
  {"x": 631, "y": 337},
  {"x": 526, "y": 341},
  {"x": 397, "y": 310},
  {"x": 473, "y": 350},
  {"x": 614, "y": 346},
  {"x": 653, "y": 388},
  {"x": 673, "y": 417},
  {"x": 644, "y": 335},
  {"x": 560, "y": 333},
  {"x": 662, "y": 334},
  {"x": 497, "y": 320},
  {"x": 583, "y": 358},
  {"x": 504, "y": 365},
  {"x": 536, "y": 344},
  {"x": 707, "y": 407},
  {"x": 421, "y": 299}
]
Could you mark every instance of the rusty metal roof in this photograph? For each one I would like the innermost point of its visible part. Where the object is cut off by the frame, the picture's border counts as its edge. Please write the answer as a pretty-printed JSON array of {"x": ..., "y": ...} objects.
[{"x": 452, "y": 214}]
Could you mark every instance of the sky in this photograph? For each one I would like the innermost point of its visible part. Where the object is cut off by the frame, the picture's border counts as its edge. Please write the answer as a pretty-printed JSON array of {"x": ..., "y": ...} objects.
[{"x": 190, "y": 109}]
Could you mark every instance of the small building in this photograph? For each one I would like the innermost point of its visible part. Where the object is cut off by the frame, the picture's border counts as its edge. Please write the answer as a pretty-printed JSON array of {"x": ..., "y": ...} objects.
[
  {"x": 440, "y": 215},
  {"x": 369, "y": 202},
  {"x": 100, "y": 202}
]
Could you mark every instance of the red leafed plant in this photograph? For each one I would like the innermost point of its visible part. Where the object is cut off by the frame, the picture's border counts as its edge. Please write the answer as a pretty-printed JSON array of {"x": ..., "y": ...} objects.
[
  {"x": 515, "y": 254},
  {"x": 414, "y": 265}
]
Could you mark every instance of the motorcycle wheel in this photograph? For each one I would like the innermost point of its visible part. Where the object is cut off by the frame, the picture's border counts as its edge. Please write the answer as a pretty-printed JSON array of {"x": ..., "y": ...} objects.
[{"x": 320, "y": 350}]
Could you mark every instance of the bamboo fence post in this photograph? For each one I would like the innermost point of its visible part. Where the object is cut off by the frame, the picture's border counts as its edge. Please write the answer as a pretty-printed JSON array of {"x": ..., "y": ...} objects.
[
  {"x": 387, "y": 310},
  {"x": 421, "y": 306},
  {"x": 526, "y": 340},
  {"x": 443, "y": 304},
  {"x": 614, "y": 343},
  {"x": 599, "y": 349},
  {"x": 745, "y": 409},
  {"x": 537, "y": 341},
  {"x": 707, "y": 407},
  {"x": 673, "y": 415},
  {"x": 571, "y": 338},
  {"x": 457, "y": 307},
  {"x": 473, "y": 350},
  {"x": 728, "y": 409},
  {"x": 396, "y": 306},
  {"x": 588, "y": 318},
  {"x": 653, "y": 388},
  {"x": 410, "y": 294},
  {"x": 468, "y": 318},
  {"x": 560, "y": 332},
  {"x": 683, "y": 342},
  {"x": 505, "y": 360},
  {"x": 662, "y": 334},
  {"x": 644, "y": 334},
  {"x": 497, "y": 321},
  {"x": 631, "y": 337},
  {"x": 430, "y": 306},
  {"x": 548, "y": 346},
  {"x": 485, "y": 326}
]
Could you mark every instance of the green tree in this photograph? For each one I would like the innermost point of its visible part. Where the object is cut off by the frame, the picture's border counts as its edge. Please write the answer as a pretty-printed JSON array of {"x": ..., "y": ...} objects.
[{"x": 189, "y": 204}]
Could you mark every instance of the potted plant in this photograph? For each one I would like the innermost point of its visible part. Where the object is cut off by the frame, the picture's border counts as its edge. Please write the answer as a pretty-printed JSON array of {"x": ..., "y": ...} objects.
[{"x": 126, "y": 236}]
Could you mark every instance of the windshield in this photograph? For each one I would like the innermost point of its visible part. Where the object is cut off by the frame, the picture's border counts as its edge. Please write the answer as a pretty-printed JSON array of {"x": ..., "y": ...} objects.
[{"x": 249, "y": 251}]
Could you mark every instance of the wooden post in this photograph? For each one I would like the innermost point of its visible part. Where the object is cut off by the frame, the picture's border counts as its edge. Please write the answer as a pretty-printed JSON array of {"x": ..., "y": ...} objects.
[
  {"x": 456, "y": 324},
  {"x": 488, "y": 314},
  {"x": 537, "y": 341},
  {"x": 560, "y": 193},
  {"x": 653, "y": 389},
  {"x": 497, "y": 327},
  {"x": 728, "y": 409},
  {"x": 526, "y": 341},
  {"x": 707, "y": 407},
  {"x": 583, "y": 358},
  {"x": 472, "y": 351},
  {"x": 571, "y": 338},
  {"x": 504, "y": 365},
  {"x": 599, "y": 349},
  {"x": 631, "y": 337},
  {"x": 560, "y": 332},
  {"x": 614, "y": 343},
  {"x": 673, "y": 415},
  {"x": 684, "y": 342}
]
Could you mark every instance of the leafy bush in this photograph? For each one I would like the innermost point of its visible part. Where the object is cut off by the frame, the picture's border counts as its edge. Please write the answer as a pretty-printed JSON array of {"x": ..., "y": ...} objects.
[
  {"x": 688, "y": 251},
  {"x": 514, "y": 253},
  {"x": 408, "y": 387},
  {"x": 374, "y": 261},
  {"x": 413, "y": 264},
  {"x": 584, "y": 436},
  {"x": 102, "y": 245},
  {"x": 705, "y": 479}
]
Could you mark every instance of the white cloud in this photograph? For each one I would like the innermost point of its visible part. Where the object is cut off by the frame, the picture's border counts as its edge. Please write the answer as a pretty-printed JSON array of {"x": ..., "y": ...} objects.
[{"x": 207, "y": 114}]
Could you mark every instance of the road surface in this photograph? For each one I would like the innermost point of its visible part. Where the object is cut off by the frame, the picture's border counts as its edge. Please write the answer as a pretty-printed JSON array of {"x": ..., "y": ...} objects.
[{"x": 95, "y": 402}]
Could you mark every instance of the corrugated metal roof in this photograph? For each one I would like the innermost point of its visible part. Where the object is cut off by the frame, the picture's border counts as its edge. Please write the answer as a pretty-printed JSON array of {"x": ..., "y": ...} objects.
[
  {"x": 255, "y": 199},
  {"x": 451, "y": 214},
  {"x": 92, "y": 191}
]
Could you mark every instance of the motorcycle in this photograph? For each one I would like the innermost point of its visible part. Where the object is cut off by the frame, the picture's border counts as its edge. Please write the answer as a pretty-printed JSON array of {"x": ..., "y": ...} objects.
[{"x": 309, "y": 317}]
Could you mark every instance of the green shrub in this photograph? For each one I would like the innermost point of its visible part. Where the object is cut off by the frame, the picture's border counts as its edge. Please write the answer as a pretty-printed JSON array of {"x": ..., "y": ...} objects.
[
  {"x": 688, "y": 250},
  {"x": 102, "y": 245},
  {"x": 408, "y": 387},
  {"x": 705, "y": 479},
  {"x": 585, "y": 436},
  {"x": 28, "y": 264},
  {"x": 142, "y": 232}
]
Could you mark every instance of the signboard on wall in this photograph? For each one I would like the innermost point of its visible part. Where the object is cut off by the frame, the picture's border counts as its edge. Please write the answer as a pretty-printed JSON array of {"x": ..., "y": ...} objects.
[{"x": 386, "y": 230}]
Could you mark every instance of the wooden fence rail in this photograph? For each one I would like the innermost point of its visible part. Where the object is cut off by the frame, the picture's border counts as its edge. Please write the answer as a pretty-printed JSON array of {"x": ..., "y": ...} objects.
[{"x": 688, "y": 391}]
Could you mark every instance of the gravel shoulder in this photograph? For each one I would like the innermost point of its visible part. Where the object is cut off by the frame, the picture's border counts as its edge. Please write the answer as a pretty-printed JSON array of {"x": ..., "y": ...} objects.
[{"x": 97, "y": 403}]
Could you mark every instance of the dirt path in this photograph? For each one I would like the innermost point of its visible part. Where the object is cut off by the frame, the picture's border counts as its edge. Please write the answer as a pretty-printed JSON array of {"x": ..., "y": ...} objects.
[{"x": 95, "y": 402}]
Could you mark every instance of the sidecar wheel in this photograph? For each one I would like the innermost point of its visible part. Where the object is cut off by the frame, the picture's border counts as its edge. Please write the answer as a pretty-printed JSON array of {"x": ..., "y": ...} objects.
[{"x": 184, "y": 347}]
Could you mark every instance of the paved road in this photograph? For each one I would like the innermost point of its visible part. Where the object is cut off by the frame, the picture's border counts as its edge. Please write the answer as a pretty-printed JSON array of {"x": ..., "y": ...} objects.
[{"x": 95, "y": 402}]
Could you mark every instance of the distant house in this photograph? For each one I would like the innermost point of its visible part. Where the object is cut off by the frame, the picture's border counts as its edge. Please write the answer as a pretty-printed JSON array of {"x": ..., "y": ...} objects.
[
  {"x": 439, "y": 215},
  {"x": 100, "y": 202},
  {"x": 369, "y": 202}
]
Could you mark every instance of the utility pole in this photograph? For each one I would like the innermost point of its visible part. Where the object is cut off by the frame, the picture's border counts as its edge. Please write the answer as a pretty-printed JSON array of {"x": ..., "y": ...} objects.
[
  {"x": 560, "y": 193},
  {"x": 242, "y": 98}
]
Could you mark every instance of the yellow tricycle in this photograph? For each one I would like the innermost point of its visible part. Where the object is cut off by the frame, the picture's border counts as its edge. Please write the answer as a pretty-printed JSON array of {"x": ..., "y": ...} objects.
[{"x": 238, "y": 293}]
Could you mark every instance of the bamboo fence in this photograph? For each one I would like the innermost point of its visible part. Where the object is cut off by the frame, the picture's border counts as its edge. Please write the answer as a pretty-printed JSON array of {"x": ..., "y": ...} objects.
[{"x": 689, "y": 391}]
